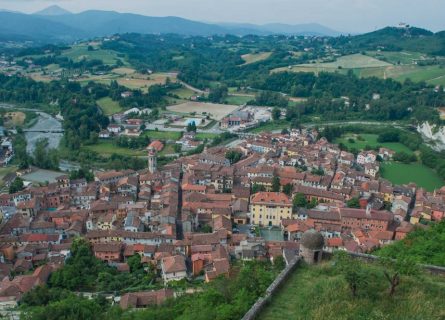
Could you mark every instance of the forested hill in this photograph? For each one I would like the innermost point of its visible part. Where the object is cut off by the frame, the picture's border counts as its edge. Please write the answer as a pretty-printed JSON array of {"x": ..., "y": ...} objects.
[{"x": 396, "y": 39}]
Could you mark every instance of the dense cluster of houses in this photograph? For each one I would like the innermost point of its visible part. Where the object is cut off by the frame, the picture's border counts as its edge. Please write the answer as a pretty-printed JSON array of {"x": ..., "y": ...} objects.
[{"x": 186, "y": 218}]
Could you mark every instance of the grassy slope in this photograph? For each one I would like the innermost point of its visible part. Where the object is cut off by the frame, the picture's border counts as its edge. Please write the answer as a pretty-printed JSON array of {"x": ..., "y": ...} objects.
[
  {"x": 255, "y": 57},
  {"x": 108, "y": 148},
  {"x": 108, "y": 106},
  {"x": 320, "y": 293}
]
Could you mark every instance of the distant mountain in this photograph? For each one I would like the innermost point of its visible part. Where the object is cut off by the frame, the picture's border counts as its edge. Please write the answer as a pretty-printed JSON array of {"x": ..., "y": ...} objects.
[
  {"x": 15, "y": 26},
  {"x": 308, "y": 29},
  {"x": 52, "y": 11},
  {"x": 100, "y": 23}
]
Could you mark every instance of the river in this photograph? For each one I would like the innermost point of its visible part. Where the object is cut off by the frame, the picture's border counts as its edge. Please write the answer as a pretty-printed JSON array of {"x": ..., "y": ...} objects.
[{"x": 44, "y": 122}]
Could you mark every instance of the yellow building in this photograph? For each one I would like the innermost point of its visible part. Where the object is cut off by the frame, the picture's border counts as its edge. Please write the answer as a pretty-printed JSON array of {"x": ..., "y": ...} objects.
[{"x": 269, "y": 208}]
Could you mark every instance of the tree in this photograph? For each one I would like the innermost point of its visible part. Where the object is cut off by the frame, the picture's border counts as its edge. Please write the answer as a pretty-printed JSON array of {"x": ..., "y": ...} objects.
[
  {"x": 352, "y": 271},
  {"x": 353, "y": 203},
  {"x": 276, "y": 113},
  {"x": 300, "y": 201},
  {"x": 191, "y": 126},
  {"x": 257, "y": 188},
  {"x": 394, "y": 268},
  {"x": 134, "y": 262},
  {"x": 16, "y": 186},
  {"x": 288, "y": 188},
  {"x": 234, "y": 156},
  {"x": 276, "y": 184}
]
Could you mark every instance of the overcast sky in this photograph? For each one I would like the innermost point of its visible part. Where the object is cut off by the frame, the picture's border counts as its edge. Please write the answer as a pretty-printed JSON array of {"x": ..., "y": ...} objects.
[{"x": 342, "y": 15}]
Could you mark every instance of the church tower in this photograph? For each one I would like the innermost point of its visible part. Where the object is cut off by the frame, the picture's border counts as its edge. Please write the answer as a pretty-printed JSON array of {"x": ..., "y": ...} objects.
[{"x": 152, "y": 160}]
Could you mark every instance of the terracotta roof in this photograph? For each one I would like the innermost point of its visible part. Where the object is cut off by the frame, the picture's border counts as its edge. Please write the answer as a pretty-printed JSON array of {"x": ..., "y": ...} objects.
[
  {"x": 270, "y": 197},
  {"x": 174, "y": 264}
]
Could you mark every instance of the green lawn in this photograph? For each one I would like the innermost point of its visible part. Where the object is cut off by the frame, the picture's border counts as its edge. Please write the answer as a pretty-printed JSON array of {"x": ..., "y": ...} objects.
[
  {"x": 271, "y": 126},
  {"x": 320, "y": 293},
  {"x": 163, "y": 135},
  {"x": 400, "y": 173},
  {"x": 108, "y": 106},
  {"x": 238, "y": 100},
  {"x": 370, "y": 140},
  {"x": 108, "y": 148},
  {"x": 184, "y": 93},
  {"x": 203, "y": 135}
]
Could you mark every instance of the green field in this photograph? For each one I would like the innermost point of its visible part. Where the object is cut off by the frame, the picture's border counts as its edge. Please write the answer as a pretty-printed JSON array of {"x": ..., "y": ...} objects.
[
  {"x": 163, "y": 135},
  {"x": 352, "y": 61},
  {"x": 238, "y": 100},
  {"x": 320, "y": 293},
  {"x": 370, "y": 66},
  {"x": 271, "y": 126},
  {"x": 370, "y": 140},
  {"x": 184, "y": 93},
  {"x": 400, "y": 173},
  {"x": 397, "y": 57},
  {"x": 108, "y": 106},
  {"x": 80, "y": 52},
  {"x": 255, "y": 57},
  {"x": 107, "y": 148},
  {"x": 204, "y": 135}
]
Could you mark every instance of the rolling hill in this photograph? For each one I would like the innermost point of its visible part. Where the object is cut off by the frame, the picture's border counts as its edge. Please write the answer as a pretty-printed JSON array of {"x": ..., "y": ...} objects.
[{"x": 55, "y": 24}]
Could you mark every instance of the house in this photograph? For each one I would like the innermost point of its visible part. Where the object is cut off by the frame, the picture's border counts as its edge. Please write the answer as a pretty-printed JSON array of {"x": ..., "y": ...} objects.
[
  {"x": 269, "y": 208},
  {"x": 109, "y": 252},
  {"x": 126, "y": 94},
  {"x": 157, "y": 145},
  {"x": 104, "y": 134},
  {"x": 114, "y": 128},
  {"x": 145, "y": 299},
  {"x": 173, "y": 268}
]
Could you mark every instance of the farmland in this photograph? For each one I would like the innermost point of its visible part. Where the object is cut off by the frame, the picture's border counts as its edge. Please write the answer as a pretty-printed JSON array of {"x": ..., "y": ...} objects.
[
  {"x": 81, "y": 52},
  {"x": 400, "y": 173},
  {"x": 396, "y": 65},
  {"x": 255, "y": 57}
]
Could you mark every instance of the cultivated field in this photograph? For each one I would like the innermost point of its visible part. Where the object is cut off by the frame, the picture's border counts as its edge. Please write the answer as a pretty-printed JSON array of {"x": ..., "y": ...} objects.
[
  {"x": 400, "y": 173},
  {"x": 215, "y": 111},
  {"x": 352, "y": 61},
  {"x": 143, "y": 82},
  {"x": 80, "y": 52},
  {"x": 255, "y": 57},
  {"x": 397, "y": 65}
]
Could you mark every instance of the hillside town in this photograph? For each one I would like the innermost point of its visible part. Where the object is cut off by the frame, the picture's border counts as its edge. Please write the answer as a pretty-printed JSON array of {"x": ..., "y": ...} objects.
[{"x": 198, "y": 214}]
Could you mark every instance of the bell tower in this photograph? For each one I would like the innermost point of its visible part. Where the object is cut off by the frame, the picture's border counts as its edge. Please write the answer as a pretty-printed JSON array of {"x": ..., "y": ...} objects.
[{"x": 152, "y": 160}]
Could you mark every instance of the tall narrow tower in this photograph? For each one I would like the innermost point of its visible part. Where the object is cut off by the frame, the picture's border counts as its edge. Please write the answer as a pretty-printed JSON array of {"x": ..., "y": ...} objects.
[{"x": 152, "y": 160}]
